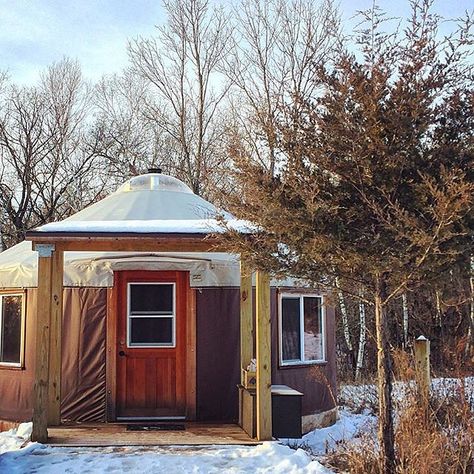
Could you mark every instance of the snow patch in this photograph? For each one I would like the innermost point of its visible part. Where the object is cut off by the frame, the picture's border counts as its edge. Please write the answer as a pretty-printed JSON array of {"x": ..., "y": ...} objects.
[
  {"x": 15, "y": 438},
  {"x": 359, "y": 397},
  {"x": 348, "y": 426},
  {"x": 165, "y": 226},
  {"x": 267, "y": 458}
]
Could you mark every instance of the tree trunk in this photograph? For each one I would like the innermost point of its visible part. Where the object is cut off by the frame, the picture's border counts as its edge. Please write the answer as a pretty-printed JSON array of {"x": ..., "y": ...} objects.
[
  {"x": 384, "y": 371},
  {"x": 345, "y": 324},
  {"x": 362, "y": 338},
  {"x": 405, "y": 320},
  {"x": 439, "y": 312},
  {"x": 470, "y": 330}
]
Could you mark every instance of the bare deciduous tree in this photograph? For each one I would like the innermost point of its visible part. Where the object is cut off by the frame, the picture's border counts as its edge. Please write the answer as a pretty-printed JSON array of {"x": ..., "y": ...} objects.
[
  {"x": 181, "y": 63},
  {"x": 46, "y": 172},
  {"x": 128, "y": 140},
  {"x": 276, "y": 47}
]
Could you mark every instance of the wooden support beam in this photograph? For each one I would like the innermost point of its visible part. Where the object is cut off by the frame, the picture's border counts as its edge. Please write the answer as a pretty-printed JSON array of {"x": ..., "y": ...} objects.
[
  {"x": 246, "y": 319},
  {"x": 263, "y": 346},
  {"x": 246, "y": 337},
  {"x": 41, "y": 387},
  {"x": 129, "y": 243},
  {"x": 191, "y": 356},
  {"x": 54, "y": 404}
]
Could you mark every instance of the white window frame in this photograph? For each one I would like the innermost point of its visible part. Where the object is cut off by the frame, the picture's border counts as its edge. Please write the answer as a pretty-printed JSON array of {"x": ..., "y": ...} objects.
[
  {"x": 22, "y": 328},
  {"x": 151, "y": 314},
  {"x": 301, "y": 297}
]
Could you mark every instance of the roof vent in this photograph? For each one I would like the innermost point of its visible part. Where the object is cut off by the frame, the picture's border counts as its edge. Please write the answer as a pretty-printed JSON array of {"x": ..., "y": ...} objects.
[
  {"x": 154, "y": 181},
  {"x": 155, "y": 170}
]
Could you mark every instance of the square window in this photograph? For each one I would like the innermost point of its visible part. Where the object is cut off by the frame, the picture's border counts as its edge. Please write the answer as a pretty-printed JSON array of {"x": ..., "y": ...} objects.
[
  {"x": 11, "y": 328},
  {"x": 151, "y": 298},
  {"x": 151, "y": 315},
  {"x": 301, "y": 329}
]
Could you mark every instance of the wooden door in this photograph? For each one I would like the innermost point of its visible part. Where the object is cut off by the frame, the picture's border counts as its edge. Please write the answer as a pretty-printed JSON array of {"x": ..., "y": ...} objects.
[{"x": 151, "y": 344}]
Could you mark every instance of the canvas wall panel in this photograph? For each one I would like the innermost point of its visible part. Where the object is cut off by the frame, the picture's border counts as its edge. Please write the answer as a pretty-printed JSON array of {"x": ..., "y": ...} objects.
[
  {"x": 218, "y": 353},
  {"x": 316, "y": 382},
  {"x": 83, "y": 354},
  {"x": 16, "y": 385},
  {"x": 83, "y": 360}
]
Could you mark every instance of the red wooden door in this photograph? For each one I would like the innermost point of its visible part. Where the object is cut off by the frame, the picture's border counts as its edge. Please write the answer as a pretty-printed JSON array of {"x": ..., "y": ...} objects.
[{"x": 151, "y": 343}]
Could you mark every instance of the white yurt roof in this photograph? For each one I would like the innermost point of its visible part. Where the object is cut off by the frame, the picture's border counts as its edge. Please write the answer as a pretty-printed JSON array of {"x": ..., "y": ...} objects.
[{"x": 148, "y": 203}]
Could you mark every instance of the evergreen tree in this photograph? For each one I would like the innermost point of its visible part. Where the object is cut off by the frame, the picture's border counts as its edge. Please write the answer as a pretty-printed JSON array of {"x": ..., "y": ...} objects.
[{"x": 375, "y": 183}]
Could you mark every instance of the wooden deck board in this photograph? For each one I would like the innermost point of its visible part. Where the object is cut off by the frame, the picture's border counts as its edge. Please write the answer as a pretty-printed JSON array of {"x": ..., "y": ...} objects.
[{"x": 115, "y": 434}]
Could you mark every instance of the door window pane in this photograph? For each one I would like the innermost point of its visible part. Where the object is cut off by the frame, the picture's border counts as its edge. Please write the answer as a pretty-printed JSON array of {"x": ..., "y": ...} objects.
[
  {"x": 150, "y": 331},
  {"x": 151, "y": 299},
  {"x": 151, "y": 317},
  {"x": 290, "y": 325},
  {"x": 10, "y": 344},
  {"x": 313, "y": 335}
]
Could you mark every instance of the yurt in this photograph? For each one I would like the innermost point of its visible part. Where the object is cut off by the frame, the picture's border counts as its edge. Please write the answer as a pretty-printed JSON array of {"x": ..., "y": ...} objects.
[{"x": 128, "y": 311}]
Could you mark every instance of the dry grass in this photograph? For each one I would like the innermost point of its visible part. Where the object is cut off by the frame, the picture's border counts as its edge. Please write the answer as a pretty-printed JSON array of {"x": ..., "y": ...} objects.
[
  {"x": 439, "y": 441},
  {"x": 429, "y": 443},
  {"x": 435, "y": 437}
]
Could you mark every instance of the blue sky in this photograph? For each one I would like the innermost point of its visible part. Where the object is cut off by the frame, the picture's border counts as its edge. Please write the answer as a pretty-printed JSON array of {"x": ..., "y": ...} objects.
[{"x": 34, "y": 33}]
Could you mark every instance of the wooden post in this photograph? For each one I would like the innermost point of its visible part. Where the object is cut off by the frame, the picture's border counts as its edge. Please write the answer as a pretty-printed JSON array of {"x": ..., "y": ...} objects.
[
  {"x": 422, "y": 366},
  {"x": 54, "y": 403},
  {"x": 246, "y": 335},
  {"x": 43, "y": 318},
  {"x": 246, "y": 319},
  {"x": 263, "y": 346}
]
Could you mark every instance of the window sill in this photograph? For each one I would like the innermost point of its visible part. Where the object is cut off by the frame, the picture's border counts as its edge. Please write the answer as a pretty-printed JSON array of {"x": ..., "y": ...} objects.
[
  {"x": 10, "y": 367},
  {"x": 300, "y": 365}
]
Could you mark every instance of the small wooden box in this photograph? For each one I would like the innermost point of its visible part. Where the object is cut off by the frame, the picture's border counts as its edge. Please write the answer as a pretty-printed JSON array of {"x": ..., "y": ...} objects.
[{"x": 249, "y": 379}]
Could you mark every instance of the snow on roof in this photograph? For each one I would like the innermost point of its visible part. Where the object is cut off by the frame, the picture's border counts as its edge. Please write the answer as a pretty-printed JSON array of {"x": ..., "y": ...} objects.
[{"x": 175, "y": 226}]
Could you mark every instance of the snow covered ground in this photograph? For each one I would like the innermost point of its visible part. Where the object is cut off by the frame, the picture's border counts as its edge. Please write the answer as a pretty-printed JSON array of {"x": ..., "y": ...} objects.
[
  {"x": 19, "y": 456},
  {"x": 360, "y": 397},
  {"x": 349, "y": 426},
  {"x": 22, "y": 457},
  {"x": 15, "y": 439}
]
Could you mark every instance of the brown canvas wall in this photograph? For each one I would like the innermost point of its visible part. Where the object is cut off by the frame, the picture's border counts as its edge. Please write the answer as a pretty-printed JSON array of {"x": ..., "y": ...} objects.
[
  {"x": 83, "y": 354},
  {"x": 83, "y": 360},
  {"x": 316, "y": 382},
  {"x": 16, "y": 385},
  {"x": 218, "y": 353},
  {"x": 218, "y": 358}
]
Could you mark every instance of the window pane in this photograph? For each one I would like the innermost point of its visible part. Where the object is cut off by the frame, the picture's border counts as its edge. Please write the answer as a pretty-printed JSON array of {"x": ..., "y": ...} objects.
[
  {"x": 11, "y": 329},
  {"x": 151, "y": 331},
  {"x": 151, "y": 298},
  {"x": 313, "y": 338},
  {"x": 290, "y": 326}
]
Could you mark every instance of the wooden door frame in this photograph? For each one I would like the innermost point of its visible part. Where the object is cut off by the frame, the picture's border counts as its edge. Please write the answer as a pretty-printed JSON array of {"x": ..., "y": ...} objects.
[{"x": 111, "y": 352}]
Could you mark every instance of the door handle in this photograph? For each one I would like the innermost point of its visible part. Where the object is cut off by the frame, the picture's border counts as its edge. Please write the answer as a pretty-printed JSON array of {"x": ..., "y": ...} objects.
[{"x": 122, "y": 354}]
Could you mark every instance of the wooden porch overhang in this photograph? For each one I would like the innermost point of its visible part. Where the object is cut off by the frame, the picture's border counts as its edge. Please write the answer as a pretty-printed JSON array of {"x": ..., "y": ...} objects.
[
  {"x": 126, "y": 242},
  {"x": 51, "y": 247}
]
